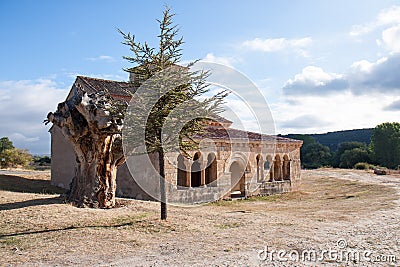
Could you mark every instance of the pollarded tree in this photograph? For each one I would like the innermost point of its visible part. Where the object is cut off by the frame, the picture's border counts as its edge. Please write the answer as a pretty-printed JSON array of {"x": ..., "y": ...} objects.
[
  {"x": 167, "y": 93},
  {"x": 92, "y": 123}
]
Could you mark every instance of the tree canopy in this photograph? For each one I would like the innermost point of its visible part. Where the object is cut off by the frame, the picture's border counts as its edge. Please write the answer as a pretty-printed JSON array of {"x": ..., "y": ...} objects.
[
  {"x": 169, "y": 109},
  {"x": 383, "y": 150},
  {"x": 349, "y": 158},
  {"x": 315, "y": 155},
  {"x": 385, "y": 144},
  {"x": 343, "y": 162},
  {"x": 166, "y": 87},
  {"x": 334, "y": 139},
  {"x": 15, "y": 157},
  {"x": 12, "y": 157},
  {"x": 312, "y": 154},
  {"x": 5, "y": 143}
]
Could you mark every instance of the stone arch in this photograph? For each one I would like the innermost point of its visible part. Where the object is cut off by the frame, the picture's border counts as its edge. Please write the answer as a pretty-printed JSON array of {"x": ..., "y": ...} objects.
[
  {"x": 259, "y": 166},
  {"x": 268, "y": 168},
  {"x": 248, "y": 168},
  {"x": 286, "y": 168},
  {"x": 195, "y": 171},
  {"x": 237, "y": 171},
  {"x": 182, "y": 175},
  {"x": 211, "y": 170},
  {"x": 241, "y": 158},
  {"x": 277, "y": 170}
]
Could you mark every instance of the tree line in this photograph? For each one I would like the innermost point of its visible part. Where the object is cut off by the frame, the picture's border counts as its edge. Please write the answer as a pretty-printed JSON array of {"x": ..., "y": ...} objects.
[
  {"x": 333, "y": 139},
  {"x": 383, "y": 150},
  {"x": 12, "y": 157}
]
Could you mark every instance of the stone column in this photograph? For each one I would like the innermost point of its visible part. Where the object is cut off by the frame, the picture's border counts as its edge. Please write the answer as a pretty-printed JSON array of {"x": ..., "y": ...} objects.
[
  {"x": 258, "y": 171},
  {"x": 203, "y": 164},
  {"x": 261, "y": 171},
  {"x": 188, "y": 174},
  {"x": 281, "y": 171},
  {"x": 271, "y": 173}
]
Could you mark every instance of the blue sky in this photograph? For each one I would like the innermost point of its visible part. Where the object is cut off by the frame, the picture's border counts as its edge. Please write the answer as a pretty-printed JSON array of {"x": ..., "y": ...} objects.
[{"x": 322, "y": 65}]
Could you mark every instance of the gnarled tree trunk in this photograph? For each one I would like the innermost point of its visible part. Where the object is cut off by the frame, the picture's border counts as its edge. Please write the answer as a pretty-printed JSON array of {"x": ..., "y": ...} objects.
[{"x": 95, "y": 135}]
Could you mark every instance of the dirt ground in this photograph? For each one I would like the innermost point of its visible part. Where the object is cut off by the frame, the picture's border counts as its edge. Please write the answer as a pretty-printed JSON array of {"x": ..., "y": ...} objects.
[{"x": 333, "y": 211}]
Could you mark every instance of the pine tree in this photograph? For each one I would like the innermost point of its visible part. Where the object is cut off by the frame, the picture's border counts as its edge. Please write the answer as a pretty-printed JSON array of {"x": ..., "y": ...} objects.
[{"x": 167, "y": 92}]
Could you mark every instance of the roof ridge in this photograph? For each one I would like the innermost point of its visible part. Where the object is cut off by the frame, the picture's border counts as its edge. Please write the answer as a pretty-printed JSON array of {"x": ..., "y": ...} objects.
[
  {"x": 100, "y": 79},
  {"x": 238, "y": 133},
  {"x": 265, "y": 134},
  {"x": 112, "y": 87},
  {"x": 82, "y": 78}
]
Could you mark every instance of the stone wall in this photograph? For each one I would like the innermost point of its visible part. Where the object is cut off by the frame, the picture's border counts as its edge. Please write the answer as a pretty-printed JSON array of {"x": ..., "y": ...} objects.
[
  {"x": 257, "y": 180},
  {"x": 62, "y": 159}
]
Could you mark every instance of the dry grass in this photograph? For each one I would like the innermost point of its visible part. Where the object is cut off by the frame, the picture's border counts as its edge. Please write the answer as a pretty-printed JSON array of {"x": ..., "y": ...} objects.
[
  {"x": 322, "y": 194},
  {"x": 29, "y": 182},
  {"x": 38, "y": 227}
]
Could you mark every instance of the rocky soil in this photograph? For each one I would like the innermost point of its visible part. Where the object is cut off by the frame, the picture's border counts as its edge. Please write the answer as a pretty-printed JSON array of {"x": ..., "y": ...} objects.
[{"x": 334, "y": 211}]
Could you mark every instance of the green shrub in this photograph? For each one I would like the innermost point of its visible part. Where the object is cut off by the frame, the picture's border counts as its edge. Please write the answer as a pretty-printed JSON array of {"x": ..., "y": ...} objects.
[
  {"x": 15, "y": 157},
  {"x": 352, "y": 156},
  {"x": 363, "y": 166}
]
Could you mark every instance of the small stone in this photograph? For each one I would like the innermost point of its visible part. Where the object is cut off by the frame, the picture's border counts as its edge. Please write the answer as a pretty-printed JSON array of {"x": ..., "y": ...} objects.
[{"x": 379, "y": 172}]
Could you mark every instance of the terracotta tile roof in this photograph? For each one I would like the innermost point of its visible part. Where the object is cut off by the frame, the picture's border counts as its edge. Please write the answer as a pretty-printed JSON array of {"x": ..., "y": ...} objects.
[
  {"x": 124, "y": 90},
  {"x": 231, "y": 133},
  {"x": 120, "y": 90},
  {"x": 115, "y": 88},
  {"x": 221, "y": 119}
]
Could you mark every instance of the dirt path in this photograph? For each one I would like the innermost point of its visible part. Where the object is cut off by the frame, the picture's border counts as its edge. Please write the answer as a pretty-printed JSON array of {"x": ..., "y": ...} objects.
[
  {"x": 355, "y": 207},
  {"x": 377, "y": 231}
]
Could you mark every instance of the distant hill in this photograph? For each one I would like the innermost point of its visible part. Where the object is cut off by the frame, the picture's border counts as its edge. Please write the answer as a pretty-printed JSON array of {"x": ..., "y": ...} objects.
[{"x": 333, "y": 139}]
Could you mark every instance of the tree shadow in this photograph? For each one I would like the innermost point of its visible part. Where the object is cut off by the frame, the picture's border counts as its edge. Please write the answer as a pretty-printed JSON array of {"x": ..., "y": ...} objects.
[
  {"x": 122, "y": 224},
  {"x": 32, "y": 202},
  {"x": 20, "y": 184},
  {"x": 16, "y": 183}
]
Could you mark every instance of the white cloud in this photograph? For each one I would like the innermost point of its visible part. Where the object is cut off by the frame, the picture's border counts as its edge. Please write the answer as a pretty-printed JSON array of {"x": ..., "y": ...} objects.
[
  {"x": 388, "y": 16},
  {"x": 314, "y": 80},
  {"x": 367, "y": 100},
  {"x": 314, "y": 75},
  {"x": 23, "y": 107},
  {"x": 391, "y": 38},
  {"x": 394, "y": 106},
  {"x": 18, "y": 137},
  {"x": 303, "y": 122},
  {"x": 249, "y": 113},
  {"x": 357, "y": 30},
  {"x": 362, "y": 77},
  {"x": 388, "y": 21},
  {"x": 362, "y": 66},
  {"x": 228, "y": 61},
  {"x": 380, "y": 76},
  {"x": 279, "y": 44},
  {"x": 341, "y": 111},
  {"x": 102, "y": 58}
]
